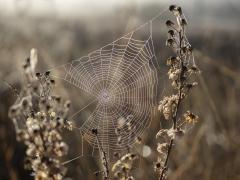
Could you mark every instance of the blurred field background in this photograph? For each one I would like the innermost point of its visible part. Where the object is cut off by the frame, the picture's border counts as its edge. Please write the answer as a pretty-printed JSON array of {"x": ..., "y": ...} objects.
[{"x": 66, "y": 30}]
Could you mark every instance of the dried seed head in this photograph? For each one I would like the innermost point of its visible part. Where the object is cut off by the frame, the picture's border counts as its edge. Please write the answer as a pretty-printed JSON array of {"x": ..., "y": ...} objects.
[
  {"x": 58, "y": 99},
  {"x": 170, "y": 42},
  {"x": 190, "y": 49},
  {"x": 31, "y": 114},
  {"x": 43, "y": 101},
  {"x": 172, "y": 8},
  {"x": 97, "y": 173},
  {"x": 34, "y": 129},
  {"x": 158, "y": 165},
  {"x": 190, "y": 117},
  {"x": 175, "y": 84},
  {"x": 13, "y": 111},
  {"x": 183, "y": 22},
  {"x": 163, "y": 135},
  {"x": 167, "y": 112},
  {"x": 173, "y": 74},
  {"x": 25, "y": 103},
  {"x": 133, "y": 156},
  {"x": 162, "y": 148},
  {"x": 68, "y": 125},
  {"x": 48, "y": 107},
  {"x": 117, "y": 131},
  {"x": 38, "y": 75},
  {"x": 171, "y": 33},
  {"x": 48, "y": 83},
  {"x": 194, "y": 70},
  {"x": 124, "y": 169},
  {"x": 130, "y": 178},
  {"x": 179, "y": 10},
  {"x": 118, "y": 174},
  {"x": 52, "y": 81},
  {"x": 22, "y": 135},
  {"x": 138, "y": 140},
  {"x": 35, "y": 88},
  {"x": 169, "y": 23},
  {"x": 179, "y": 133},
  {"x": 61, "y": 149},
  {"x": 171, "y": 61},
  {"x": 25, "y": 66},
  {"x": 52, "y": 114},
  {"x": 184, "y": 49},
  {"x": 28, "y": 60},
  {"x": 67, "y": 104},
  {"x": 47, "y": 73}
]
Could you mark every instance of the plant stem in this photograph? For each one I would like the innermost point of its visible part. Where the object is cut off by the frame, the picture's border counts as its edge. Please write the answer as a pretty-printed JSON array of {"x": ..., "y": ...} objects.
[
  {"x": 104, "y": 158},
  {"x": 174, "y": 117}
]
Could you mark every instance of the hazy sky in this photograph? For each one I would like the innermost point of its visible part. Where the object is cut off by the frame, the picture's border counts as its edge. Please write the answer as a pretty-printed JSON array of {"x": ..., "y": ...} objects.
[
  {"x": 88, "y": 7},
  {"x": 218, "y": 13}
]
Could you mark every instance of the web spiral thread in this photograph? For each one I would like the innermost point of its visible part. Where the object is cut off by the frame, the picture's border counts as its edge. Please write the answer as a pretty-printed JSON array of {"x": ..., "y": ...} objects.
[{"x": 122, "y": 78}]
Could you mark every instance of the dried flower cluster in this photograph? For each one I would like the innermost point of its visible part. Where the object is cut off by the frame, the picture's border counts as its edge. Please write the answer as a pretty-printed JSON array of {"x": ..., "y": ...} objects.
[
  {"x": 181, "y": 70},
  {"x": 124, "y": 165},
  {"x": 122, "y": 168},
  {"x": 39, "y": 118}
]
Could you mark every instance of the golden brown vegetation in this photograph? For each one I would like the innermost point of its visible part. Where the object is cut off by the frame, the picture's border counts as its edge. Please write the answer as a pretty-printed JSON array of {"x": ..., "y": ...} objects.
[{"x": 208, "y": 151}]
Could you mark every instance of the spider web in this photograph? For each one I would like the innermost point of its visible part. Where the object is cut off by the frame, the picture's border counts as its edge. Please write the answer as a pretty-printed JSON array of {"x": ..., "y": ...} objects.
[{"x": 120, "y": 80}]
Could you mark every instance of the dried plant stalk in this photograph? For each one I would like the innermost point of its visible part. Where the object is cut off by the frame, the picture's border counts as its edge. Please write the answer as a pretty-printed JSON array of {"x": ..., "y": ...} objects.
[
  {"x": 123, "y": 167},
  {"x": 39, "y": 117},
  {"x": 103, "y": 157},
  {"x": 181, "y": 69}
]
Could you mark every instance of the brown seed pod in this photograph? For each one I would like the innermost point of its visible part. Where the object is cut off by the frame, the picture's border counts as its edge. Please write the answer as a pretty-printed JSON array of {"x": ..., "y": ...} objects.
[
  {"x": 169, "y": 23},
  {"x": 172, "y": 8}
]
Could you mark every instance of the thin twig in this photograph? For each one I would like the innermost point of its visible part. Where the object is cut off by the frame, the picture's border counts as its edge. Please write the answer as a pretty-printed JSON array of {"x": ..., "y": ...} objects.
[{"x": 104, "y": 156}]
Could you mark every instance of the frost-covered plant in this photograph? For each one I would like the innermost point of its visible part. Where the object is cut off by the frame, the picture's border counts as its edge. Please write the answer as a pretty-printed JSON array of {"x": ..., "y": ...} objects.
[
  {"x": 181, "y": 73},
  {"x": 39, "y": 117}
]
